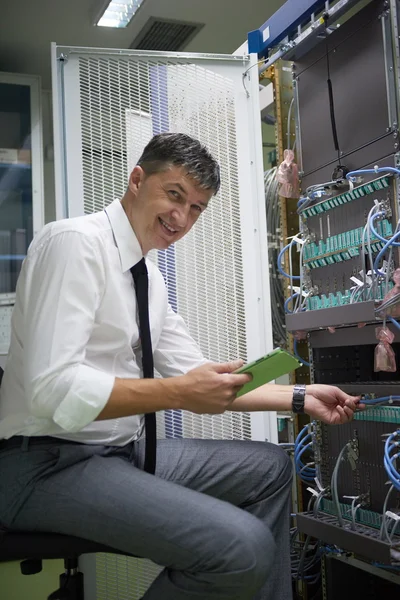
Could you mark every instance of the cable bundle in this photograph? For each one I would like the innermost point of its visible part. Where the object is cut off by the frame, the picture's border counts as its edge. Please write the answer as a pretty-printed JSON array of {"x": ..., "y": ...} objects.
[
  {"x": 391, "y": 455},
  {"x": 272, "y": 209},
  {"x": 303, "y": 444},
  {"x": 305, "y": 558}
]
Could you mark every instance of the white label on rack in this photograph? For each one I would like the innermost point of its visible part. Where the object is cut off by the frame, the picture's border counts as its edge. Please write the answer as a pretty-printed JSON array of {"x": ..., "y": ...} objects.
[{"x": 266, "y": 34}]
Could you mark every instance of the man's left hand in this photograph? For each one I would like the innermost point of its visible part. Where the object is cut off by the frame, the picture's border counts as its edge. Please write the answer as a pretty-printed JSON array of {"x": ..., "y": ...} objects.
[{"x": 329, "y": 404}]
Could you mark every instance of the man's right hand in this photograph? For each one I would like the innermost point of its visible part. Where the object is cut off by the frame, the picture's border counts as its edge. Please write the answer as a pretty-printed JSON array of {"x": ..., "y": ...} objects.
[{"x": 211, "y": 388}]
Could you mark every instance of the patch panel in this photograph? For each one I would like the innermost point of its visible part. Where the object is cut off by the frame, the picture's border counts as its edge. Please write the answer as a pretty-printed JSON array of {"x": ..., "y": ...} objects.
[
  {"x": 380, "y": 414},
  {"x": 369, "y": 518},
  {"x": 344, "y": 246},
  {"x": 357, "y": 192},
  {"x": 332, "y": 299}
]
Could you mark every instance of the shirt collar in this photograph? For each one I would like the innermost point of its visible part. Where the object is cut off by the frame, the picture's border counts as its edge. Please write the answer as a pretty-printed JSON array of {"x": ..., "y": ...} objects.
[{"x": 127, "y": 243}]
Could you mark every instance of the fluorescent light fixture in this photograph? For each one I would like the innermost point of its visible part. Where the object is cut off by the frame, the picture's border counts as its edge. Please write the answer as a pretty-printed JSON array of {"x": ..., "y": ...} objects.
[{"x": 119, "y": 13}]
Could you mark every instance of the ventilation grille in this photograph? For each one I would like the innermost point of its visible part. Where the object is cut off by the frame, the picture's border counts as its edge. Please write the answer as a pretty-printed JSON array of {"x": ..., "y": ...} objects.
[
  {"x": 124, "y": 101},
  {"x": 165, "y": 35}
]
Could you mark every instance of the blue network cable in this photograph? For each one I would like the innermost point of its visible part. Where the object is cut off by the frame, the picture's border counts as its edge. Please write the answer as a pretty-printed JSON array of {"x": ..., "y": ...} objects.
[
  {"x": 382, "y": 252},
  {"x": 382, "y": 400},
  {"x": 376, "y": 234},
  {"x": 353, "y": 174},
  {"x": 303, "y": 443},
  {"x": 297, "y": 355},
  {"x": 390, "y": 459},
  {"x": 279, "y": 262},
  {"x": 288, "y": 301},
  {"x": 301, "y": 201},
  {"x": 394, "y": 322}
]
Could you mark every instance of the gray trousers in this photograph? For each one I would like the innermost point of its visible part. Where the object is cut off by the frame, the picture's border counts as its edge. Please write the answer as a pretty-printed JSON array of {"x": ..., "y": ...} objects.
[{"x": 216, "y": 514}]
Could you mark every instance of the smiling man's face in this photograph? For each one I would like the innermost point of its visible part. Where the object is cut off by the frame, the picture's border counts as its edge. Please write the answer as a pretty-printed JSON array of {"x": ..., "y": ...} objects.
[{"x": 165, "y": 206}]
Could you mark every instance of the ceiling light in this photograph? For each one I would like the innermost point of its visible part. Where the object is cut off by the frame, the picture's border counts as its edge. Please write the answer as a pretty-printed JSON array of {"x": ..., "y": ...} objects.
[{"x": 119, "y": 13}]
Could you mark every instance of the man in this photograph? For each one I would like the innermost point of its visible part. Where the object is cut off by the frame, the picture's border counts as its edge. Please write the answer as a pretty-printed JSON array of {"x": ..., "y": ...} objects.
[{"x": 216, "y": 513}]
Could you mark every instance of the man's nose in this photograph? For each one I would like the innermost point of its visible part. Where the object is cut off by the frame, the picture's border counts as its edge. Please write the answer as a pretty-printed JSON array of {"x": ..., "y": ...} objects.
[{"x": 180, "y": 216}]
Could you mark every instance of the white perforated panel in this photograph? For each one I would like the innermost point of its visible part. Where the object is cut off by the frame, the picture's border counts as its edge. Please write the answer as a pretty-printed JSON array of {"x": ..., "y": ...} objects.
[
  {"x": 5, "y": 328},
  {"x": 122, "y": 577},
  {"x": 214, "y": 277}
]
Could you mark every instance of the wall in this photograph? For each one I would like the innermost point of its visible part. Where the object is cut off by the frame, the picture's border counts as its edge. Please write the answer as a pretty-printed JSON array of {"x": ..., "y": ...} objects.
[{"x": 15, "y": 586}]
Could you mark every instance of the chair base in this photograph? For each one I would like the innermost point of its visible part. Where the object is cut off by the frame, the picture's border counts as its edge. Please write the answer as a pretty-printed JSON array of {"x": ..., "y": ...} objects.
[{"x": 71, "y": 587}]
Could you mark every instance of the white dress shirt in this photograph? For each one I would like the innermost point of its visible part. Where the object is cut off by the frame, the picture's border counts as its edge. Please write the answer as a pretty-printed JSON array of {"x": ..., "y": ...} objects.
[{"x": 75, "y": 328}]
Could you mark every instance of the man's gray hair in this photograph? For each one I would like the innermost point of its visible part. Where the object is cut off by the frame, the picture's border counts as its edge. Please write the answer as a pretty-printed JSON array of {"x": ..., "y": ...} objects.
[{"x": 178, "y": 149}]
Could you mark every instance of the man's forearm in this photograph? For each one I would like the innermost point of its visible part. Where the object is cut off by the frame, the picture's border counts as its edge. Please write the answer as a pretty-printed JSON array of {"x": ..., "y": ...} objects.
[
  {"x": 265, "y": 397},
  {"x": 138, "y": 396}
]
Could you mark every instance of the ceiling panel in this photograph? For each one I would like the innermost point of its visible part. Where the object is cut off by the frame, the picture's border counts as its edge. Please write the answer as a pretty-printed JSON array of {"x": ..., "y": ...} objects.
[{"x": 28, "y": 27}]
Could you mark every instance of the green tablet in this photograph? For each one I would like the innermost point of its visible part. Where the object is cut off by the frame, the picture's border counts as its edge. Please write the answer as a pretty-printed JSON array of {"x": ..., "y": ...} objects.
[{"x": 266, "y": 369}]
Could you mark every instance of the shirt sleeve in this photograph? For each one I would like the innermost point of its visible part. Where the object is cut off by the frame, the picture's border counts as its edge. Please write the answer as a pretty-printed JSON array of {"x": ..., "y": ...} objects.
[
  {"x": 62, "y": 289},
  {"x": 176, "y": 352}
]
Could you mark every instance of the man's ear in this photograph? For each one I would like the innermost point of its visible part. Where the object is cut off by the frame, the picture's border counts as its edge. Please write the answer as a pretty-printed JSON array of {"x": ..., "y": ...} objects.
[{"x": 136, "y": 179}]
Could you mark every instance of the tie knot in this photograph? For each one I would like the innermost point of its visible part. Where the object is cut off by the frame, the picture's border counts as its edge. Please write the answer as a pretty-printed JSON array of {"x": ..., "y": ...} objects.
[{"x": 139, "y": 269}]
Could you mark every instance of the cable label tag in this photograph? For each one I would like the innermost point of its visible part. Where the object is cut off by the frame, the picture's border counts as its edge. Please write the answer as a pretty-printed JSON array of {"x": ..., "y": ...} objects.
[
  {"x": 356, "y": 281},
  {"x": 296, "y": 239},
  {"x": 296, "y": 289}
]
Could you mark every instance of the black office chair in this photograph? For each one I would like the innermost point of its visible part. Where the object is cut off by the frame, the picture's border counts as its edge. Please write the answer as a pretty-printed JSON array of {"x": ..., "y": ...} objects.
[{"x": 31, "y": 548}]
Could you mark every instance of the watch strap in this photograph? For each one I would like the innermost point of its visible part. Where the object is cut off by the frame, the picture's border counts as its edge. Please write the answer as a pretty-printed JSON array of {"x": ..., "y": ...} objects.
[{"x": 299, "y": 395}]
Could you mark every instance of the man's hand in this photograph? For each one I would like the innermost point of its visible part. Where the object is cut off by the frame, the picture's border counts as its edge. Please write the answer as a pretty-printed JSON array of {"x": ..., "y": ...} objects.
[
  {"x": 211, "y": 388},
  {"x": 330, "y": 404}
]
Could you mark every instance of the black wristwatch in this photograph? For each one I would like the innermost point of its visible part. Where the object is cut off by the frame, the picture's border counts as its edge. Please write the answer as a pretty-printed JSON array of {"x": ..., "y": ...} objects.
[{"x": 299, "y": 394}]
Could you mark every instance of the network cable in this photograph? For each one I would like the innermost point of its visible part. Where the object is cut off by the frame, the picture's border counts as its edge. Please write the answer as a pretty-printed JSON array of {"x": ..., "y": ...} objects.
[
  {"x": 394, "y": 322},
  {"x": 390, "y": 459},
  {"x": 354, "y": 508},
  {"x": 305, "y": 557},
  {"x": 321, "y": 189},
  {"x": 382, "y": 400},
  {"x": 334, "y": 483},
  {"x": 273, "y": 216},
  {"x": 379, "y": 257},
  {"x": 279, "y": 262},
  {"x": 376, "y": 234},
  {"x": 351, "y": 176},
  {"x": 288, "y": 301},
  {"x": 297, "y": 355},
  {"x": 303, "y": 443},
  {"x": 384, "y": 534}
]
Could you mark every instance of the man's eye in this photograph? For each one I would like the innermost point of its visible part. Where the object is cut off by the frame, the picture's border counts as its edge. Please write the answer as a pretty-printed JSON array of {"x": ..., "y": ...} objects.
[
  {"x": 197, "y": 207},
  {"x": 174, "y": 193}
]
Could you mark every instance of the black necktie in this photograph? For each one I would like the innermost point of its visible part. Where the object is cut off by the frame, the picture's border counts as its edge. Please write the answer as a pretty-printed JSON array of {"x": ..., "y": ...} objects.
[{"x": 140, "y": 278}]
